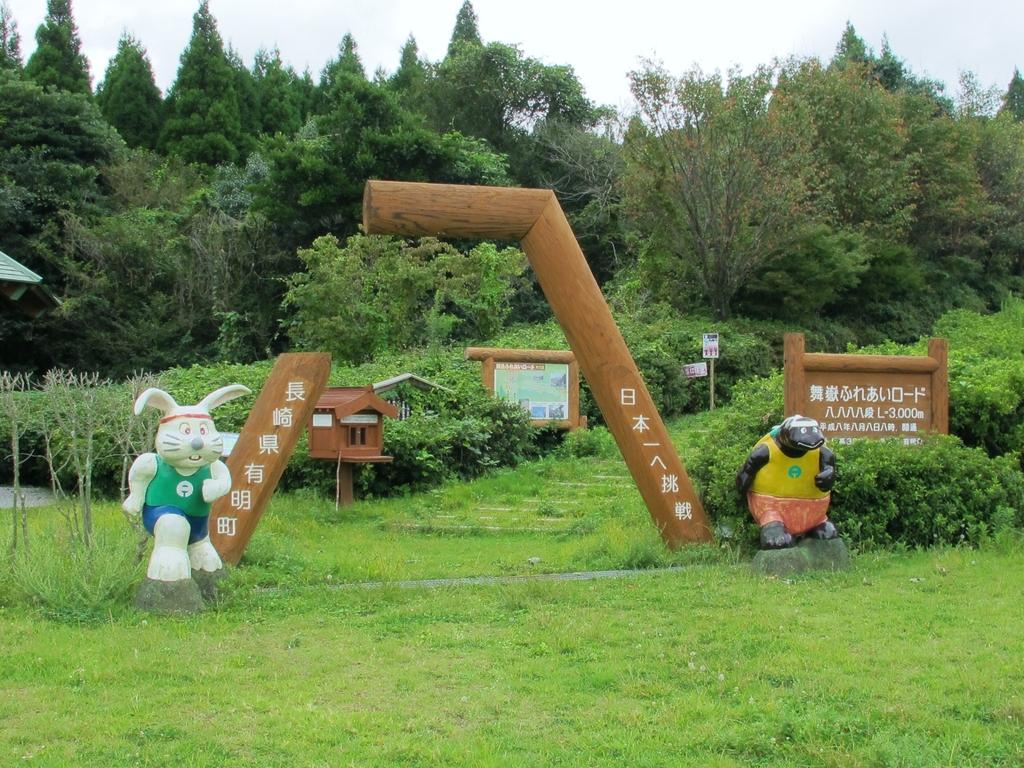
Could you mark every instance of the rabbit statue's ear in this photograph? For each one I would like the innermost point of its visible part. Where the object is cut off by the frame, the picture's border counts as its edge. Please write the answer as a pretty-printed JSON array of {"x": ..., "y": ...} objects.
[
  {"x": 222, "y": 395},
  {"x": 155, "y": 398}
]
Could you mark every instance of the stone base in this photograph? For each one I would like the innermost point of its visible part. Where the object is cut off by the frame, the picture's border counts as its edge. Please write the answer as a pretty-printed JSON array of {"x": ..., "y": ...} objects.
[
  {"x": 170, "y": 598},
  {"x": 208, "y": 582},
  {"x": 808, "y": 555}
]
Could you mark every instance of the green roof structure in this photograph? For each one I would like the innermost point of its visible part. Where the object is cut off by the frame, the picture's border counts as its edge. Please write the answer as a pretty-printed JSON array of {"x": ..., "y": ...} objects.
[{"x": 23, "y": 289}]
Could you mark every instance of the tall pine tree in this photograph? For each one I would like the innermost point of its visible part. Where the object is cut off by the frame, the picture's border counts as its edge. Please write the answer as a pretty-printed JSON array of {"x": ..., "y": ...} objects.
[
  {"x": 10, "y": 40},
  {"x": 410, "y": 80},
  {"x": 58, "y": 58},
  {"x": 1013, "y": 101},
  {"x": 851, "y": 48},
  {"x": 346, "y": 64},
  {"x": 203, "y": 116},
  {"x": 467, "y": 31},
  {"x": 248, "y": 102},
  {"x": 128, "y": 96},
  {"x": 278, "y": 94}
]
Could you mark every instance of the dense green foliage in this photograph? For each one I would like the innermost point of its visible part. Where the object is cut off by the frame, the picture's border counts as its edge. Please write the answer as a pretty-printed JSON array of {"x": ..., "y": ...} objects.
[
  {"x": 849, "y": 196},
  {"x": 381, "y": 293},
  {"x": 986, "y": 372}
]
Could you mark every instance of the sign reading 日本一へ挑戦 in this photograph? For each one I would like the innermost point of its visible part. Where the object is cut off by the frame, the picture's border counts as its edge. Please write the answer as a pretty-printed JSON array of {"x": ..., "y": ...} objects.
[{"x": 541, "y": 389}]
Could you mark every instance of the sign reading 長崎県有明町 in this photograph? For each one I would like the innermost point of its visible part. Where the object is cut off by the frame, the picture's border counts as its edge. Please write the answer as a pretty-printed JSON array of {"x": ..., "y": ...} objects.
[{"x": 872, "y": 396}]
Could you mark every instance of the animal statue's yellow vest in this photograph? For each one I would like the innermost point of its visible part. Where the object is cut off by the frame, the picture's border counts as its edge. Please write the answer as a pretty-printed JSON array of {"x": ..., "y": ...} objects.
[{"x": 787, "y": 477}]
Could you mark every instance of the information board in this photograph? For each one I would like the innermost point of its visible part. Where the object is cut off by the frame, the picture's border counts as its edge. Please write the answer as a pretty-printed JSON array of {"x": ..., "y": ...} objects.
[
  {"x": 869, "y": 396},
  {"x": 541, "y": 389},
  {"x": 849, "y": 405}
]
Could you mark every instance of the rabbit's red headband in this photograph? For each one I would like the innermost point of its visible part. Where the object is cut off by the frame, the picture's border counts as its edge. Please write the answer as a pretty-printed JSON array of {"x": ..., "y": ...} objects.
[{"x": 165, "y": 419}]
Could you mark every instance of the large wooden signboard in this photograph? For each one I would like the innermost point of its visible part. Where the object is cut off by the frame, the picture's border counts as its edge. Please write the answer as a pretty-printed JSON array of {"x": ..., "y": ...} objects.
[
  {"x": 873, "y": 396},
  {"x": 276, "y": 421},
  {"x": 545, "y": 382},
  {"x": 534, "y": 217}
]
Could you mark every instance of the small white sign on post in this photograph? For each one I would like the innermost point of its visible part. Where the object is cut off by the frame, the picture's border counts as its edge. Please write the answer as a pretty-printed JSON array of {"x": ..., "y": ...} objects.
[
  {"x": 695, "y": 370},
  {"x": 710, "y": 346}
]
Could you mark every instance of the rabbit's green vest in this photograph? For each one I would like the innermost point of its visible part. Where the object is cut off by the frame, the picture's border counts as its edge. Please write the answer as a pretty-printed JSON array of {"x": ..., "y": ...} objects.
[{"x": 168, "y": 488}]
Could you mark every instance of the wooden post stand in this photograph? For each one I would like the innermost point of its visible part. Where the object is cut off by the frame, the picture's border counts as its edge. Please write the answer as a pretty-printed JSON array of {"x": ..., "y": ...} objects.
[{"x": 535, "y": 218}]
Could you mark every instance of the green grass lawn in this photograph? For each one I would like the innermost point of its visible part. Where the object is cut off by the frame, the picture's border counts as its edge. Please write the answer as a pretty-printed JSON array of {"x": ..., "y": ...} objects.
[{"x": 909, "y": 659}]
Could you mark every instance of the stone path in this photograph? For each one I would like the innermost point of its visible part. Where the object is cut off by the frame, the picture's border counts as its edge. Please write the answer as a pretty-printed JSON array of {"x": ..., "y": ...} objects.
[
  {"x": 494, "y": 580},
  {"x": 34, "y": 497}
]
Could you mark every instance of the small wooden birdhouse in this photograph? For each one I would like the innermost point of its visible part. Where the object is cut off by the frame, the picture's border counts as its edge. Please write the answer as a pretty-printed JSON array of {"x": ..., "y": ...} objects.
[{"x": 348, "y": 425}]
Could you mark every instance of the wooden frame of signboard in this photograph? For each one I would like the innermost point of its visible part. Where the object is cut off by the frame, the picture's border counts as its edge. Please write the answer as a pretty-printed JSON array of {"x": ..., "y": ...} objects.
[
  {"x": 491, "y": 357},
  {"x": 873, "y": 396},
  {"x": 535, "y": 219}
]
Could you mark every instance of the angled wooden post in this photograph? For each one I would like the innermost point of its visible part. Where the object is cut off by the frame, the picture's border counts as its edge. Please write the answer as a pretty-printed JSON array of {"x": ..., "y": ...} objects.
[
  {"x": 276, "y": 421},
  {"x": 535, "y": 218}
]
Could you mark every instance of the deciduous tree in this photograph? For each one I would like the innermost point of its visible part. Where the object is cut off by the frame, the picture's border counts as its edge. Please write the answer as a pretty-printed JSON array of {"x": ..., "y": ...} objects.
[
  {"x": 10, "y": 40},
  {"x": 719, "y": 175}
]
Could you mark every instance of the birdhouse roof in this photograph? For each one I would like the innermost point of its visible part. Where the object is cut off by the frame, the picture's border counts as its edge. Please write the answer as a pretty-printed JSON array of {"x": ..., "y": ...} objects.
[
  {"x": 345, "y": 401},
  {"x": 417, "y": 381},
  {"x": 23, "y": 288}
]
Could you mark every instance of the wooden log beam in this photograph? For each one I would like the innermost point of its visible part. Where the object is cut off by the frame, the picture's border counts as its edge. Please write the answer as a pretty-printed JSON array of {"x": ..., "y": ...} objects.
[
  {"x": 536, "y": 218},
  {"x": 275, "y": 423},
  {"x": 816, "y": 361},
  {"x": 520, "y": 355},
  {"x": 450, "y": 210}
]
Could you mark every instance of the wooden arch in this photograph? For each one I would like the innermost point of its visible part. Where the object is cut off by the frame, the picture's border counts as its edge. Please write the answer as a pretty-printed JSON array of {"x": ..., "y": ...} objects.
[{"x": 534, "y": 217}]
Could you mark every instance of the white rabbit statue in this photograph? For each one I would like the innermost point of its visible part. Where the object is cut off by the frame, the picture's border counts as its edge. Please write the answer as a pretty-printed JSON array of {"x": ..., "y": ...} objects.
[{"x": 172, "y": 489}]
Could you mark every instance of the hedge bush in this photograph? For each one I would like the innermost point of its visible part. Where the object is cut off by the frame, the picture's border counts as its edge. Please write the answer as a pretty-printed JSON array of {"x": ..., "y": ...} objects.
[
  {"x": 886, "y": 493},
  {"x": 986, "y": 375}
]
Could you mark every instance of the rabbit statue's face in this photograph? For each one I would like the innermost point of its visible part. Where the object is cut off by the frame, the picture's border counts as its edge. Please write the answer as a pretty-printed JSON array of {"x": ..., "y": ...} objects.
[{"x": 188, "y": 441}]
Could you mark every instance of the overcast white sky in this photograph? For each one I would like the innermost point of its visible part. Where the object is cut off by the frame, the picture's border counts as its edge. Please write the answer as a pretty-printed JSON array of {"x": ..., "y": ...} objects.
[{"x": 601, "y": 40}]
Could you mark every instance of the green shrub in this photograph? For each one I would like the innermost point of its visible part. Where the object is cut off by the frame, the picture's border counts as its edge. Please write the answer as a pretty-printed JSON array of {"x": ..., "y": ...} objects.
[
  {"x": 886, "y": 493},
  {"x": 986, "y": 375},
  {"x": 662, "y": 341},
  {"x": 595, "y": 441},
  {"x": 70, "y": 582},
  {"x": 940, "y": 492}
]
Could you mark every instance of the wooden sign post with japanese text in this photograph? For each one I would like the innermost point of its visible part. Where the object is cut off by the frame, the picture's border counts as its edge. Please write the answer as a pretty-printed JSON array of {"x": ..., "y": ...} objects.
[
  {"x": 277, "y": 420},
  {"x": 534, "y": 217},
  {"x": 874, "y": 396}
]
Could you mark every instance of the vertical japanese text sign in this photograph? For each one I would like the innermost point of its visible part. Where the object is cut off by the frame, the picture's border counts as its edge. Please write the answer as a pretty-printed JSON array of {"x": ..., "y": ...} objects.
[
  {"x": 275, "y": 423},
  {"x": 534, "y": 217}
]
